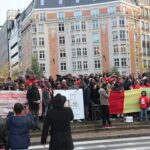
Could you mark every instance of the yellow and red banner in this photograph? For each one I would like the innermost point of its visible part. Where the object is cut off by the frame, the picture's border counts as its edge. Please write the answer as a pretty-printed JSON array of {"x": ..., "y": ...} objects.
[{"x": 126, "y": 101}]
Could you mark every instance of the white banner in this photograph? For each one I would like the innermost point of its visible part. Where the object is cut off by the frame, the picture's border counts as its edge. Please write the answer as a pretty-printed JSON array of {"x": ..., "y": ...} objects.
[
  {"x": 9, "y": 98},
  {"x": 74, "y": 100}
]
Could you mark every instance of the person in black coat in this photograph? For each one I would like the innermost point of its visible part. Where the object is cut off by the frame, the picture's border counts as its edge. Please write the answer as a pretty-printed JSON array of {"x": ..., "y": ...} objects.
[
  {"x": 58, "y": 119},
  {"x": 3, "y": 135},
  {"x": 33, "y": 97}
]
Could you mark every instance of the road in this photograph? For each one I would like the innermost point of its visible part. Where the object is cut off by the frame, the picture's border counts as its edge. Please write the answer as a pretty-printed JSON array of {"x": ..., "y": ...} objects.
[{"x": 134, "y": 143}]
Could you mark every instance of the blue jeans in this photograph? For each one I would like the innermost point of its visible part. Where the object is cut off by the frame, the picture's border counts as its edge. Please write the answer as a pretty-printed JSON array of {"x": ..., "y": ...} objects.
[{"x": 143, "y": 114}]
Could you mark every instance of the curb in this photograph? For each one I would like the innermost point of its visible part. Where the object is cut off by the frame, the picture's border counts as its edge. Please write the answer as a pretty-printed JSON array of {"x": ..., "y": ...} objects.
[{"x": 111, "y": 137}]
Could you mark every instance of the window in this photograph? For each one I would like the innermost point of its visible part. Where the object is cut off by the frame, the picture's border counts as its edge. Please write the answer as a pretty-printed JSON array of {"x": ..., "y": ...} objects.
[
  {"x": 124, "y": 73},
  {"x": 115, "y": 35},
  {"x": 116, "y": 62},
  {"x": 79, "y": 65},
  {"x": 84, "y": 38},
  {"x": 123, "y": 62},
  {"x": 77, "y": 26},
  {"x": 35, "y": 54},
  {"x": 94, "y": 24},
  {"x": 41, "y": 41},
  {"x": 61, "y": 27},
  {"x": 34, "y": 42},
  {"x": 121, "y": 21},
  {"x": 73, "y": 52},
  {"x": 74, "y": 65},
  {"x": 135, "y": 37},
  {"x": 61, "y": 40},
  {"x": 41, "y": 28},
  {"x": 96, "y": 38},
  {"x": 112, "y": 10},
  {"x": 95, "y": 12},
  {"x": 42, "y": 54},
  {"x": 96, "y": 50},
  {"x": 125, "y": 10},
  {"x": 148, "y": 63},
  {"x": 84, "y": 51},
  {"x": 97, "y": 64},
  {"x": 73, "y": 39},
  {"x": 143, "y": 25},
  {"x": 42, "y": 17},
  {"x": 78, "y": 14},
  {"x": 62, "y": 53},
  {"x": 79, "y": 52},
  {"x": 114, "y": 22},
  {"x": 34, "y": 30},
  {"x": 85, "y": 64},
  {"x": 116, "y": 50},
  {"x": 122, "y": 35},
  {"x": 123, "y": 48},
  {"x": 42, "y": 67},
  {"x": 83, "y": 25},
  {"x": 147, "y": 26},
  {"x": 63, "y": 66},
  {"x": 78, "y": 40},
  {"x": 60, "y": 2},
  {"x": 61, "y": 15},
  {"x": 145, "y": 63},
  {"x": 72, "y": 26}
]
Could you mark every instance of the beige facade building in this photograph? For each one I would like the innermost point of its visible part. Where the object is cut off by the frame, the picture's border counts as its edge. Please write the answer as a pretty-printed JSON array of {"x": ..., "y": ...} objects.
[{"x": 86, "y": 36}]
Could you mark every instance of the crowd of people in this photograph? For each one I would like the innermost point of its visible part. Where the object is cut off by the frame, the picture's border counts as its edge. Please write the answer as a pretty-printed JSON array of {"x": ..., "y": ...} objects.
[
  {"x": 89, "y": 83},
  {"x": 96, "y": 89}
]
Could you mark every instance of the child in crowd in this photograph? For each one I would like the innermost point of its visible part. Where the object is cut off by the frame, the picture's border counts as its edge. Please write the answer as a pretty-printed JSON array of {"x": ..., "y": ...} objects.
[{"x": 144, "y": 104}]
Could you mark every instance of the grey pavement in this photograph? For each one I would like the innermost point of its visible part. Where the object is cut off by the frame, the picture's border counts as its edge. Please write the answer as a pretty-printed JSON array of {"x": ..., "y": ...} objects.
[{"x": 132, "y": 143}]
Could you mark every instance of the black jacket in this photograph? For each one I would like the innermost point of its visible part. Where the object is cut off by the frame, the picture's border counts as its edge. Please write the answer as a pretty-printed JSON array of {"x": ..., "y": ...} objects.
[
  {"x": 33, "y": 96},
  {"x": 3, "y": 134},
  {"x": 59, "y": 121}
]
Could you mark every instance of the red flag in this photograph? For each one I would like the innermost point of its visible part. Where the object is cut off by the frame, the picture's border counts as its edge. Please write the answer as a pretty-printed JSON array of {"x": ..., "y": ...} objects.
[{"x": 116, "y": 102}]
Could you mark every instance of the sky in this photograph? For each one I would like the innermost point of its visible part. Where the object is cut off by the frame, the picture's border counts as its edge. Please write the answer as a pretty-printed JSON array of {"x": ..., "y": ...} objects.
[{"x": 11, "y": 4}]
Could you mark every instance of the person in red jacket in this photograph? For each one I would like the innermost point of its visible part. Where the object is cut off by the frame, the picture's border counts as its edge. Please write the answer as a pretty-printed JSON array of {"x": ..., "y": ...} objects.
[{"x": 144, "y": 104}]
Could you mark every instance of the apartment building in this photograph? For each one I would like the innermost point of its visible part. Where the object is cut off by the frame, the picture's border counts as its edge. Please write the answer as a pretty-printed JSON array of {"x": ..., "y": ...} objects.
[
  {"x": 145, "y": 37},
  {"x": 4, "y": 40},
  {"x": 84, "y": 36},
  {"x": 14, "y": 39}
]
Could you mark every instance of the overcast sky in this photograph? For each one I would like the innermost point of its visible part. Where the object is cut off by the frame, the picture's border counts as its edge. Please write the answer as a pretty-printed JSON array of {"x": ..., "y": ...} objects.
[{"x": 11, "y": 4}]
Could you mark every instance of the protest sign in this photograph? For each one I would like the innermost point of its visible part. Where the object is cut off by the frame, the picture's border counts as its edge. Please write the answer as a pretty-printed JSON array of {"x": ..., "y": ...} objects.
[{"x": 74, "y": 100}]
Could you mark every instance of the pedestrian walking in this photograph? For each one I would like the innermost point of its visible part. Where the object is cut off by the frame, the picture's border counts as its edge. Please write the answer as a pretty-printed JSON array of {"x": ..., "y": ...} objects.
[
  {"x": 105, "y": 107},
  {"x": 19, "y": 124},
  {"x": 58, "y": 120},
  {"x": 3, "y": 135},
  {"x": 144, "y": 103}
]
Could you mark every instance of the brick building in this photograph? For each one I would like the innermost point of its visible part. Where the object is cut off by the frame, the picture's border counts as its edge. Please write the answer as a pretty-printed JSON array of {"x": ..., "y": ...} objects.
[{"x": 86, "y": 36}]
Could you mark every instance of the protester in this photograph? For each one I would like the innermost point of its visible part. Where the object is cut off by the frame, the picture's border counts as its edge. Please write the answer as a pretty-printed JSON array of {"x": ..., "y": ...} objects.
[
  {"x": 33, "y": 97},
  {"x": 3, "y": 135},
  {"x": 105, "y": 107},
  {"x": 46, "y": 97},
  {"x": 58, "y": 120},
  {"x": 19, "y": 124},
  {"x": 144, "y": 104},
  {"x": 86, "y": 98},
  {"x": 22, "y": 87}
]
